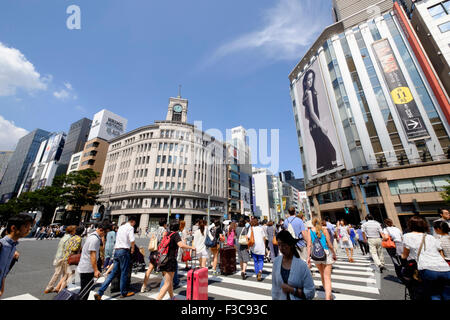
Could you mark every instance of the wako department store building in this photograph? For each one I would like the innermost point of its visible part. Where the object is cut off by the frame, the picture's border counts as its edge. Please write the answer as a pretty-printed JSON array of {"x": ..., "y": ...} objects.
[
  {"x": 372, "y": 134},
  {"x": 170, "y": 165}
]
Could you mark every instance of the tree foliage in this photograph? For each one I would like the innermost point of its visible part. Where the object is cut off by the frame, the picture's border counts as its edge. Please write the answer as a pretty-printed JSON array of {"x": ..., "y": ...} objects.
[
  {"x": 76, "y": 189},
  {"x": 446, "y": 194}
]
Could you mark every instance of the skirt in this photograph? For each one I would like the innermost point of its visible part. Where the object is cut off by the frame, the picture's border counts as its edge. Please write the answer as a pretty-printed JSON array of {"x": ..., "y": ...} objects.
[{"x": 345, "y": 244}]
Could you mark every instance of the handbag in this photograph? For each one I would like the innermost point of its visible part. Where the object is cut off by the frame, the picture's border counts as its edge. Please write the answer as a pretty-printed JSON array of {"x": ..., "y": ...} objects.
[
  {"x": 251, "y": 242},
  {"x": 242, "y": 238},
  {"x": 74, "y": 259},
  {"x": 153, "y": 244},
  {"x": 388, "y": 243},
  {"x": 186, "y": 256},
  {"x": 274, "y": 240},
  {"x": 410, "y": 271}
]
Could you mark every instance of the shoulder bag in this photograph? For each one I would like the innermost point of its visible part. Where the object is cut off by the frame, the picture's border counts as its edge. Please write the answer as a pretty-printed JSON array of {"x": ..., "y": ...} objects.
[
  {"x": 153, "y": 244},
  {"x": 410, "y": 271},
  {"x": 251, "y": 242},
  {"x": 387, "y": 241},
  {"x": 243, "y": 238}
]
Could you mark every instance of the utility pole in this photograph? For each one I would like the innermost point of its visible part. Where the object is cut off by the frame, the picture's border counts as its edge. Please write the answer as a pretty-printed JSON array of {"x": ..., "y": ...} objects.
[{"x": 170, "y": 204}]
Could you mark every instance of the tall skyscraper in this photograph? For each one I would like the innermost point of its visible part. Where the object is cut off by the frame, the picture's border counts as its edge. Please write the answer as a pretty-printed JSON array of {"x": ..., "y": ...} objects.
[
  {"x": 24, "y": 155},
  {"x": 372, "y": 131},
  {"x": 76, "y": 139},
  {"x": 5, "y": 156},
  {"x": 45, "y": 166}
]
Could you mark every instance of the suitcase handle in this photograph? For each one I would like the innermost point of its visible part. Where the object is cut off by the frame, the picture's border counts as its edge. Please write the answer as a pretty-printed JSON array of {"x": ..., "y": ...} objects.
[{"x": 89, "y": 287}]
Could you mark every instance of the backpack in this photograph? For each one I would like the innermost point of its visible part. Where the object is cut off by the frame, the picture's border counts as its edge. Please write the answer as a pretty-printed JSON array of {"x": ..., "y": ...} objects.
[
  {"x": 163, "y": 250},
  {"x": 211, "y": 243},
  {"x": 317, "y": 250}
]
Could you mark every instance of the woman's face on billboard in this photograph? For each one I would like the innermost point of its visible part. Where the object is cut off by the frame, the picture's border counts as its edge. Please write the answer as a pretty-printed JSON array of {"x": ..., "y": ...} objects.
[{"x": 309, "y": 80}]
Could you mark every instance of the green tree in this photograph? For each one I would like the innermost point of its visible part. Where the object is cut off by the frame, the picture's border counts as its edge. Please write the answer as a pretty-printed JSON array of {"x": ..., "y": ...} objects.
[
  {"x": 81, "y": 190},
  {"x": 446, "y": 194}
]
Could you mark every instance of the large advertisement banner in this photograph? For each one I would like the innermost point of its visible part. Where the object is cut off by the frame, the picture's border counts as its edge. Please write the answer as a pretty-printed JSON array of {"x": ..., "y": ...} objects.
[
  {"x": 400, "y": 93},
  {"x": 320, "y": 143}
]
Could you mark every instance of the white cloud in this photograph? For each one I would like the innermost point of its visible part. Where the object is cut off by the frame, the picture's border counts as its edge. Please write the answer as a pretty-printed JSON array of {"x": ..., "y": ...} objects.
[
  {"x": 17, "y": 72},
  {"x": 288, "y": 28},
  {"x": 9, "y": 134},
  {"x": 64, "y": 94},
  {"x": 81, "y": 109}
]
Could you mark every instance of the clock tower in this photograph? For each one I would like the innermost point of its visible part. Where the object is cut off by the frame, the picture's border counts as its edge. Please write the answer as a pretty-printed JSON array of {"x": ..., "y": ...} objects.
[{"x": 177, "y": 110}]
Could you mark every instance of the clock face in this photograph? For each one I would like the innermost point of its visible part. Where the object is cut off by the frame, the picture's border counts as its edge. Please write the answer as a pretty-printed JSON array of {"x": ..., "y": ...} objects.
[{"x": 177, "y": 108}]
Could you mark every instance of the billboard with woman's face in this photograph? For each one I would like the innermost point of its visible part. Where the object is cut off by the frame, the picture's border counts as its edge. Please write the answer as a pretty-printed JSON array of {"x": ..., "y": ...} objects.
[{"x": 320, "y": 143}]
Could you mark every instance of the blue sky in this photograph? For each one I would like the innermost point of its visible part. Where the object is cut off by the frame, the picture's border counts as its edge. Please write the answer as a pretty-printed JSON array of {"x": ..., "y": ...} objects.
[{"x": 232, "y": 59}]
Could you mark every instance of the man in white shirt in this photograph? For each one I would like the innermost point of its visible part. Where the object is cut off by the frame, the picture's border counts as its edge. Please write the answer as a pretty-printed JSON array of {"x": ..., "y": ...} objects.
[
  {"x": 123, "y": 249},
  {"x": 87, "y": 267},
  {"x": 373, "y": 233}
]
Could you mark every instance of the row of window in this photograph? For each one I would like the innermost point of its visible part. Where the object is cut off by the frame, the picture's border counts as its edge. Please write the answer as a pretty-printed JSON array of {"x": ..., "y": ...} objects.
[
  {"x": 182, "y": 135},
  {"x": 140, "y": 173},
  {"x": 169, "y": 186},
  {"x": 440, "y": 10},
  {"x": 159, "y": 172},
  {"x": 172, "y": 159},
  {"x": 418, "y": 185},
  {"x": 145, "y": 136}
]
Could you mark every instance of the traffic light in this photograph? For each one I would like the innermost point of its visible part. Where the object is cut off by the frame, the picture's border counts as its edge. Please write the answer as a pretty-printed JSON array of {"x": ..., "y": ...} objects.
[{"x": 347, "y": 210}]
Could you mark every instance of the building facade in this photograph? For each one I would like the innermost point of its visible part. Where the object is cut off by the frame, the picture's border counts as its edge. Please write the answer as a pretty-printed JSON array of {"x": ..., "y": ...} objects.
[
  {"x": 239, "y": 174},
  {"x": 75, "y": 141},
  {"x": 23, "y": 156},
  {"x": 367, "y": 118},
  {"x": 167, "y": 168},
  {"x": 430, "y": 20},
  {"x": 43, "y": 170},
  {"x": 5, "y": 156},
  {"x": 265, "y": 199},
  {"x": 75, "y": 162}
]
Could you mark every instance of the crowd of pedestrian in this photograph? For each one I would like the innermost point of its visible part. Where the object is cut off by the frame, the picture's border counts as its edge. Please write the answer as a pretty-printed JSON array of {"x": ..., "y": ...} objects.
[{"x": 421, "y": 255}]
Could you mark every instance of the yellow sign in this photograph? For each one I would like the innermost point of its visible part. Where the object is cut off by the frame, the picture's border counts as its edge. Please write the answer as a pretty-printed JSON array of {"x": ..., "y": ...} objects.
[
  {"x": 401, "y": 95},
  {"x": 284, "y": 203},
  {"x": 278, "y": 208}
]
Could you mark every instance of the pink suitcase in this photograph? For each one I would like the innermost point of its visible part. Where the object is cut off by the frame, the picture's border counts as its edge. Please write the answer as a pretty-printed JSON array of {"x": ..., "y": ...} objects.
[{"x": 197, "y": 284}]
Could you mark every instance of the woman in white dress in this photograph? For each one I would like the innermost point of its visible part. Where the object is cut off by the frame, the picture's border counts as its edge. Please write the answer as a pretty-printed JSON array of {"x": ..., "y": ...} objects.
[{"x": 344, "y": 239}]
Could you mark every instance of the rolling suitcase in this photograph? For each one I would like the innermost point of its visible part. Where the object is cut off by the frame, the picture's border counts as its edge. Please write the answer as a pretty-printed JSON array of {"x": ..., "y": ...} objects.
[
  {"x": 227, "y": 260},
  {"x": 115, "y": 283},
  {"x": 197, "y": 284},
  {"x": 69, "y": 295}
]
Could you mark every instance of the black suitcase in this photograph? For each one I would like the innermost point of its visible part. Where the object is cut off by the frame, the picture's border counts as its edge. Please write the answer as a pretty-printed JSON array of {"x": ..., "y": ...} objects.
[
  {"x": 227, "y": 260},
  {"x": 67, "y": 295},
  {"x": 115, "y": 283}
]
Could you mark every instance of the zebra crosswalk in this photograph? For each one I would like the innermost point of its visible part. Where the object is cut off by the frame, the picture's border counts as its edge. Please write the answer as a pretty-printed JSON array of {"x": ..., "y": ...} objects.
[{"x": 350, "y": 281}]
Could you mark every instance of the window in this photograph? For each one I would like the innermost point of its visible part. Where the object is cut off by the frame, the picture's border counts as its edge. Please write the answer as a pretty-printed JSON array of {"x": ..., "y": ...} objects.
[
  {"x": 162, "y": 172},
  {"x": 174, "y": 172},
  {"x": 164, "y": 159},
  {"x": 444, "y": 27},
  {"x": 168, "y": 172},
  {"x": 171, "y": 147},
  {"x": 167, "y": 185},
  {"x": 160, "y": 146},
  {"x": 155, "y": 186},
  {"x": 158, "y": 160},
  {"x": 170, "y": 159},
  {"x": 160, "y": 186},
  {"x": 165, "y": 146},
  {"x": 184, "y": 176},
  {"x": 180, "y": 172},
  {"x": 439, "y": 10},
  {"x": 157, "y": 172}
]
